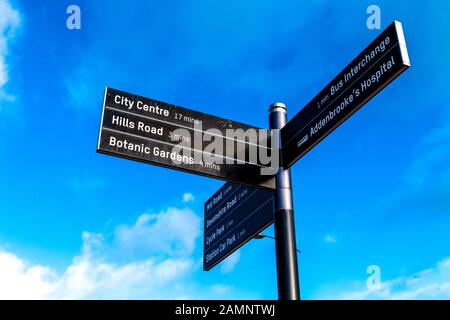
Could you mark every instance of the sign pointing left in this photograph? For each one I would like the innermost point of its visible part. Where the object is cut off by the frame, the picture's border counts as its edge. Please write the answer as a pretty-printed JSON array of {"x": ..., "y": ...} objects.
[{"x": 163, "y": 134}]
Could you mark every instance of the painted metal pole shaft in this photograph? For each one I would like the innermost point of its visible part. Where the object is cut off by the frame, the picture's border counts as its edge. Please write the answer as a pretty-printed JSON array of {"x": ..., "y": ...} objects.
[{"x": 285, "y": 242}]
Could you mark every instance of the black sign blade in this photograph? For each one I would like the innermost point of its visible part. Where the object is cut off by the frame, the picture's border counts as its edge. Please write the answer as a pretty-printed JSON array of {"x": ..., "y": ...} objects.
[
  {"x": 233, "y": 216},
  {"x": 371, "y": 71},
  {"x": 163, "y": 134}
]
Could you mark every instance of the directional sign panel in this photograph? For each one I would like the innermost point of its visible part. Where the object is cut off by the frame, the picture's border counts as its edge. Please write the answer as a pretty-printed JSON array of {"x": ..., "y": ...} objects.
[
  {"x": 163, "y": 134},
  {"x": 233, "y": 216},
  {"x": 372, "y": 70}
]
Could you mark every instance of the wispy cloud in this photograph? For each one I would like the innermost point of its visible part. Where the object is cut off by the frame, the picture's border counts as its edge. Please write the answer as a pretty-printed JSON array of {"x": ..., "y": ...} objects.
[
  {"x": 329, "y": 239},
  {"x": 432, "y": 283},
  {"x": 9, "y": 22},
  {"x": 188, "y": 197},
  {"x": 425, "y": 187},
  {"x": 230, "y": 263}
]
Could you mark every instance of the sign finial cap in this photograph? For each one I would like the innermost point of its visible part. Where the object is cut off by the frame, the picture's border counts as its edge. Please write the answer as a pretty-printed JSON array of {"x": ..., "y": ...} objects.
[{"x": 277, "y": 106}]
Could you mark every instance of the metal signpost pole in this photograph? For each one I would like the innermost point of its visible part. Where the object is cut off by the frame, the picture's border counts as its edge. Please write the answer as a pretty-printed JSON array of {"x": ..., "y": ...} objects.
[{"x": 285, "y": 243}]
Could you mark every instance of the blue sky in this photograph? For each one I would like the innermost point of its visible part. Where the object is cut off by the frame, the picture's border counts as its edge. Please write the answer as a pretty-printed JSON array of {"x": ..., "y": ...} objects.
[{"x": 77, "y": 224}]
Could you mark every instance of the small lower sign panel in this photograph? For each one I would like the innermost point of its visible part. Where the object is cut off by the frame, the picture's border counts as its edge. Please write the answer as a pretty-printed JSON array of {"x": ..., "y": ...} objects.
[{"x": 233, "y": 216}]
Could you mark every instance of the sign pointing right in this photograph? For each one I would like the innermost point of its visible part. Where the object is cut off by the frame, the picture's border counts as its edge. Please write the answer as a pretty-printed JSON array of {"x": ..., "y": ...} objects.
[{"x": 372, "y": 70}]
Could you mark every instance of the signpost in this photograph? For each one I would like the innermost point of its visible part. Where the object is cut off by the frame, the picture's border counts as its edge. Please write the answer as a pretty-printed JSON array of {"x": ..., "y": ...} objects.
[
  {"x": 162, "y": 134},
  {"x": 233, "y": 216},
  {"x": 372, "y": 70},
  {"x": 159, "y": 133}
]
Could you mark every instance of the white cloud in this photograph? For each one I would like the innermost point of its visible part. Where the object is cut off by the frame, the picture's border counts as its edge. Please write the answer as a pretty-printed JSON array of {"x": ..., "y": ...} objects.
[
  {"x": 20, "y": 280},
  {"x": 92, "y": 277},
  {"x": 221, "y": 289},
  {"x": 329, "y": 238},
  {"x": 432, "y": 283},
  {"x": 172, "y": 232},
  {"x": 97, "y": 272},
  {"x": 230, "y": 262},
  {"x": 9, "y": 22},
  {"x": 188, "y": 197}
]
